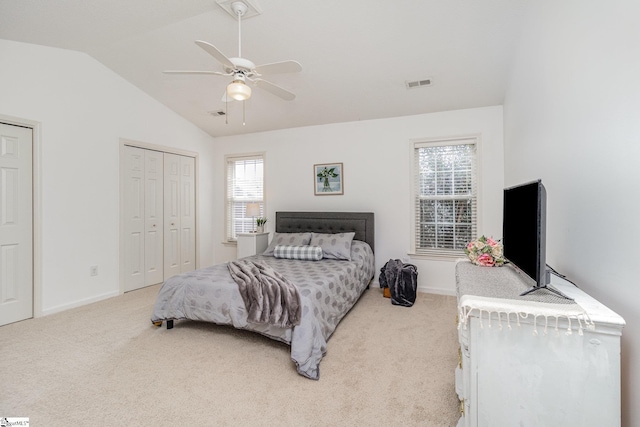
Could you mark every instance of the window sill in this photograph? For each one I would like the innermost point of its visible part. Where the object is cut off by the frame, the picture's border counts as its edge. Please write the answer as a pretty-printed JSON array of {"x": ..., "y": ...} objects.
[
  {"x": 435, "y": 256},
  {"x": 230, "y": 243}
]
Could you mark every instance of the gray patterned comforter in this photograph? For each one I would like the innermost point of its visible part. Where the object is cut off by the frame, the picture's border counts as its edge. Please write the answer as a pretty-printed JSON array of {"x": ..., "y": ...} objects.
[{"x": 328, "y": 290}]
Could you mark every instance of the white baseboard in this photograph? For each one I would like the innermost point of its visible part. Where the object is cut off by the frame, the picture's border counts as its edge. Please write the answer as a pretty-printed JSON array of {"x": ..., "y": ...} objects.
[
  {"x": 439, "y": 291},
  {"x": 425, "y": 289},
  {"x": 79, "y": 303}
]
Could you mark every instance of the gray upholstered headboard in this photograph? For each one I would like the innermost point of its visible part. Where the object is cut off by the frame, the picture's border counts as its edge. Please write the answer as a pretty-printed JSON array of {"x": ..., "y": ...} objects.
[{"x": 362, "y": 223}]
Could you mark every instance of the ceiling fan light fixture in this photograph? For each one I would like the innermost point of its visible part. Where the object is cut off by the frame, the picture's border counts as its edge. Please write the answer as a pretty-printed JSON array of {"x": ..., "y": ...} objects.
[{"x": 238, "y": 90}]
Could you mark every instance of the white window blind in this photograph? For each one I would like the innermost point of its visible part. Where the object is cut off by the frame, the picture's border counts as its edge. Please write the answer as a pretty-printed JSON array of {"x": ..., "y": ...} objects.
[
  {"x": 445, "y": 196},
  {"x": 245, "y": 178}
]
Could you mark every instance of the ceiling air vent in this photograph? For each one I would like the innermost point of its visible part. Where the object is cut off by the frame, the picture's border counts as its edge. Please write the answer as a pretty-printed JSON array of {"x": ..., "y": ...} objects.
[
  {"x": 419, "y": 83},
  {"x": 217, "y": 113}
]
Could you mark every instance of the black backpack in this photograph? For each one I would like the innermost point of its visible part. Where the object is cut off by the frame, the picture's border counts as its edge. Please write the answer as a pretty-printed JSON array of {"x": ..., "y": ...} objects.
[{"x": 402, "y": 281}]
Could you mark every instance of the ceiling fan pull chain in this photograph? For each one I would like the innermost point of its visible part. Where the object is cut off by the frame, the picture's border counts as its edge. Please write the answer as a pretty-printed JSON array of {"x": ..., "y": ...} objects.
[{"x": 243, "y": 114}]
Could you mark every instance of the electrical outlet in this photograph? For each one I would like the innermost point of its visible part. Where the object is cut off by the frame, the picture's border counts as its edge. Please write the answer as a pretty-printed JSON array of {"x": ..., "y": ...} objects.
[{"x": 93, "y": 270}]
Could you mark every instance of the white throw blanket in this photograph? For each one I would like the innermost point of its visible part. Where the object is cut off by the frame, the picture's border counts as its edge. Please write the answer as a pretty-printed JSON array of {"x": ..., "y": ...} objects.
[{"x": 509, "y": 312}]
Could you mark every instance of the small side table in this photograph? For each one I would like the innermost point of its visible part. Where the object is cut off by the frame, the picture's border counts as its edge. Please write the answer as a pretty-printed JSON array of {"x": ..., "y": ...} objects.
[{"x": 252, "y": 244}]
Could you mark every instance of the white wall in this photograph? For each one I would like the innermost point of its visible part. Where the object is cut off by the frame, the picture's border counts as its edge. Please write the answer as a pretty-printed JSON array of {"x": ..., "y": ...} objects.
[
  {"x": 377, "y": 176},
  {"x": 84, "y": 109},
  {"x": 572, "y": 118}
]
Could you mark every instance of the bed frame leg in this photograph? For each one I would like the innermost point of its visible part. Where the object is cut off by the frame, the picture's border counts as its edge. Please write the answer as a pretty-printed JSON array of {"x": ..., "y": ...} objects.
[
  {"x": 159, "y": 323},
  {"x": 170, "y": 324}
]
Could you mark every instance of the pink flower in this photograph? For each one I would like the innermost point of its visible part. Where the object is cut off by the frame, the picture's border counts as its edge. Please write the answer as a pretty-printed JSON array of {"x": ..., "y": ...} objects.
[
  {"x": 486, "y": 260},
  {"x": 491, "y": 242},
  {"x": 470, "y": 245}
]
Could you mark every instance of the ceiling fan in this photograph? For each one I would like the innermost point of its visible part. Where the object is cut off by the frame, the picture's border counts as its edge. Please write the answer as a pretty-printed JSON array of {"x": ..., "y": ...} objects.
[{"x": 242, "y": 69}]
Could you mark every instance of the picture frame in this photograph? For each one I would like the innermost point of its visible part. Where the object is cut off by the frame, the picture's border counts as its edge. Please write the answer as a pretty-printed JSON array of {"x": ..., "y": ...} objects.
[{"x": 328, "y": 179}]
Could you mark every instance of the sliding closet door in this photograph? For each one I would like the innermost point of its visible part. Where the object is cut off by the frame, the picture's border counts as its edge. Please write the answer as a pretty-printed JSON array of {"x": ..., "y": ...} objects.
[
  {"x": 153, "y": 217},
  {"x": 171, "y": 215},
  {"x": 158, "y": 216},
  {"x": 134, "y": 217},
  {"x": 143, "y": 216},
  {"x": 179, "y": 214},
  {"x": 187, "y": 214}
]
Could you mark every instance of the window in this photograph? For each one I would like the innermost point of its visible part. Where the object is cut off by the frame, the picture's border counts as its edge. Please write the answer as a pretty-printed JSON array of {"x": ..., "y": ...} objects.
[
  {"x": 445, "y": 200},
  {"x": 245, "y": 178}
]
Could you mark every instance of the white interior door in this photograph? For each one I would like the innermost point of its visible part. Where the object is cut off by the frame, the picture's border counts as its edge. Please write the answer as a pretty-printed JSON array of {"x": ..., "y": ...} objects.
[
  {"x": 153, "y": 214},
  {"x": 134, "y": 227},
  {"x": 16, "y": 224},
  {"x": 171, "y": 215},
  {"x": 187, "y": 214}
]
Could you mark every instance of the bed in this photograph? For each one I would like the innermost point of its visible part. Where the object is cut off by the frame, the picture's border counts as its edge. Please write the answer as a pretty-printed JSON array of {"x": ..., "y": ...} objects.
[{"x": 328, "y": 288}]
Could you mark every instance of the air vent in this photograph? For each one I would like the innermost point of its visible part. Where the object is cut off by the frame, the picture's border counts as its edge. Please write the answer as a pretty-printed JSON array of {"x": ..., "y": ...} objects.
[
  {"x": 217, "y": 113},
  {"x": 419, "y": 83}
]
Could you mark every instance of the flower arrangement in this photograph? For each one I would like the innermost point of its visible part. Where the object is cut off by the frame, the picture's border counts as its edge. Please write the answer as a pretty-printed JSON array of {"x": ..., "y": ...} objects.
[
  {"x": 485, "y": 252},
  {"x": 260, "y": 222}
]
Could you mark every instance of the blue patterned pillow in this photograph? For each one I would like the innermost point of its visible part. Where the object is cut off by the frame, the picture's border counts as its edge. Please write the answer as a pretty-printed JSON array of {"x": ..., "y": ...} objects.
[
  {"x": 303, "y": 252},
  {"x": 287, "y": 239},
  {"x": 334, "y": 246}
]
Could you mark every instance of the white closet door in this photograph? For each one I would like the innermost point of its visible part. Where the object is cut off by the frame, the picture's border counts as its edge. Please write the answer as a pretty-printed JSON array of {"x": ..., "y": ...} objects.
[
  {"x": 143, "y": 217},
  {"x": 16, "y": 228},
  {"x": 171, "y": 215},
  {"x": 153, "y": 222},
  {"x": 159, "y": 216},
  {"x": 187, "y": 214},
  {"x": 134, "y": 218}
]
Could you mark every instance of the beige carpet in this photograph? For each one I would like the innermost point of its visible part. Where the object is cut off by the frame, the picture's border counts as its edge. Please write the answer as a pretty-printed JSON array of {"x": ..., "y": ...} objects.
[{"x": 105, "y": 364}]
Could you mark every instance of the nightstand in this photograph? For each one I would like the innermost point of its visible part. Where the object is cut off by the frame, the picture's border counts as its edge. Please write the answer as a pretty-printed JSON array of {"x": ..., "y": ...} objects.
[{"x": 252, "y": 244}]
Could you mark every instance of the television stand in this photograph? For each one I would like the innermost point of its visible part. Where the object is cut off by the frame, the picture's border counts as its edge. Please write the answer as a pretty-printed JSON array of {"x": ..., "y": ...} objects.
[
  {"x": 547, "y": 279},
  {"x": 519, "y": 366},
  {"x": 553, "y": 291}
]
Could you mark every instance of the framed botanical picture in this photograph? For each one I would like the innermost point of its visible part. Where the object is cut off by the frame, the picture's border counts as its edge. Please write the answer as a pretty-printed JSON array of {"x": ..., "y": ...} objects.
[{"x": 329, "y": 179}]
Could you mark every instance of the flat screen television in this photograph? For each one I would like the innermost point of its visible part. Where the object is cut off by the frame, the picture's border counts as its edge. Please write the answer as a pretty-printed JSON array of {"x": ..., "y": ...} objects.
[{"x": 524, "y": 232}]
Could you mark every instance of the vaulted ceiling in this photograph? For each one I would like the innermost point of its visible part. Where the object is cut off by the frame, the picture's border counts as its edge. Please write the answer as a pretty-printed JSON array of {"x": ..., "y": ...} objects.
[{"x": 356, "y": 55}]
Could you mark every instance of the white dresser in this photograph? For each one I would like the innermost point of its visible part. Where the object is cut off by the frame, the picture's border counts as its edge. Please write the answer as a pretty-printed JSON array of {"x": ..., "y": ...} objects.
[
  {"x": 518, "y": 366},
  {"x": 251, "y": 244}
]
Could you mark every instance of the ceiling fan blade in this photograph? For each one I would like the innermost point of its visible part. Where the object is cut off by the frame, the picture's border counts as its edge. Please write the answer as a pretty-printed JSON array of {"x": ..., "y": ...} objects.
[
  {"x": 279, "y": 67},
  {"x": 213, "y": 51},
  {"x": 216, "y": 73},
  {"x": 275, "y": 90}
]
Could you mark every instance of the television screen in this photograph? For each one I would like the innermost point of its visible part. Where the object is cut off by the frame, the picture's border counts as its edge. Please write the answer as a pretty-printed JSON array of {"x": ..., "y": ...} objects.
[{"x": 524, "y": 230}]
